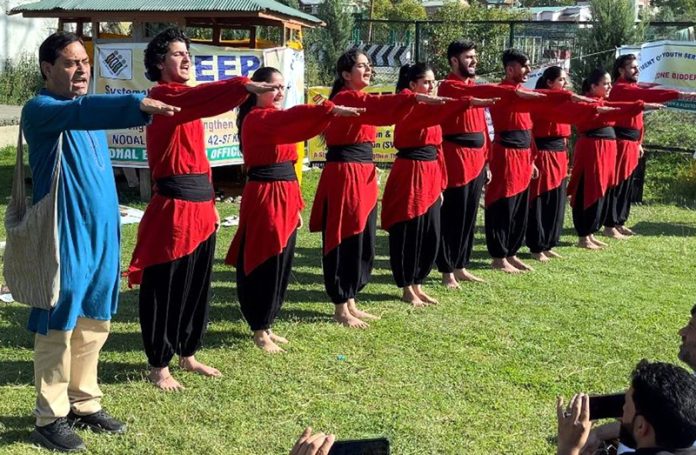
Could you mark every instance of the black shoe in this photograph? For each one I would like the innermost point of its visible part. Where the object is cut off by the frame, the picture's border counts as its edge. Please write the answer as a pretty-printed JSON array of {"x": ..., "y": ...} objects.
[
  {"x": 100, "y": 421},
  {"x": 58, "y": 436}
]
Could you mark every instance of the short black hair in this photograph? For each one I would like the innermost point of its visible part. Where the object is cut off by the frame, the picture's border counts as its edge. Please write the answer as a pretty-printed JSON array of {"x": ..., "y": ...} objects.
[
  {"x": 620, "y": 63},
  {"x": 514, "y": 55},
  {"x": 157, "y": 49},
  {"x": 456, "y": 48},
  {"x": 665, "y": 395},
  {"x": 693, "y": 310},
  {"x": 51, "y": 47}
]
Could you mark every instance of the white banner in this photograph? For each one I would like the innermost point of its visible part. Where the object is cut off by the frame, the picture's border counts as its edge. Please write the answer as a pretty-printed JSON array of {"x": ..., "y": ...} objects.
[
  {"x": 668, "y": 64},
  {"x": 120, "y": 70}
]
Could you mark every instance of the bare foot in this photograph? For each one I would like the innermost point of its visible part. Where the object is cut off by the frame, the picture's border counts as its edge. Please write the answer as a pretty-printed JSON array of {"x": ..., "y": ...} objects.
[
  {"x": 613, "y": 233},
  {"x": 162, "y": 379},
  {"x": 276, "y": 338},
  {"x": 515, "y": 262},
  {"x": 598, "y": 242},
  {"x": 194, "y": 366},
  {"x": 552, "y": 254},
  {"x": 503, "y": 265},
  {"x": 587, "y": 243},
  {"x": 449, "y": 281},
  {"x": 411, "y": 297},
  {"x": 541, "y": 257},
  {"x": 353, "y": 308},
  {"x": 418, "y": 289},
  {"x": 464, "y": 275},
  {"x": 343, "y": 316},
  {"x": 263, "y": 341},
  {"x": 625, "y": 231}
]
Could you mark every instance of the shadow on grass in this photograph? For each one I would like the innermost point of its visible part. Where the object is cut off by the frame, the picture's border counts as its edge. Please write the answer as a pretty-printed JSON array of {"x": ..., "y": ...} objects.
[
  {"x": 15, "y": 429},
  {"x": 21, "y": 372},
  {"x": 665, "y": 229}
]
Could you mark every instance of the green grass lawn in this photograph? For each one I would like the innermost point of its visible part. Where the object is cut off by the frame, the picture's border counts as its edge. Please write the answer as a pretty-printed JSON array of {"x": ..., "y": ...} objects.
[{"x": 477, "y": 374}]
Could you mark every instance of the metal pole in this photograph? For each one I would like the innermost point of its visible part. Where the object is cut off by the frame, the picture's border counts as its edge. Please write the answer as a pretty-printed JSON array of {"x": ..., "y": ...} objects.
[{"x": 417, "y": 42}]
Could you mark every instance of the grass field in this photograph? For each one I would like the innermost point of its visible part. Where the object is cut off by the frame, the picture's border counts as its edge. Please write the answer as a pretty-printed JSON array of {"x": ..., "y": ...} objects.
[{"x": 477, "y": 374}]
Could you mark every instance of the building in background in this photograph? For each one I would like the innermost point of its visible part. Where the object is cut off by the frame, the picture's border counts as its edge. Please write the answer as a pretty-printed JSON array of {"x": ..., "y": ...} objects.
[{"x": 21, "y": 36}]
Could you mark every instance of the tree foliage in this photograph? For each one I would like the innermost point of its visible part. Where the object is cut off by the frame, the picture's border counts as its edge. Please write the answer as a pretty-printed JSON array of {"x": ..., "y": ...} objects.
[
  {"x": 614, "y": 25},
  {"x": 323, "y": 46},
  {"x": 405, "y": 10},
  {"x": 675, "y": 9}
]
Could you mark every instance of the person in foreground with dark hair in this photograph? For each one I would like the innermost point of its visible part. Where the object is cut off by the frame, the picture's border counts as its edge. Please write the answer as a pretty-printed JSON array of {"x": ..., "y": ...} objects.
[
  {"x": 413, "y": 193},
  {"x": 70, "y": 336},
  {"x": 594, "y": 159},
  {"x": 659, "y": 413},
  {"x": 173, "y": 257},
  {"x": 629, "y": 136},
  {"x": 547, "y": 193},
  {"x": 687, "y": 354},
  {"x": 264, "y": 246},
  {"x": 345, "y": 204}
]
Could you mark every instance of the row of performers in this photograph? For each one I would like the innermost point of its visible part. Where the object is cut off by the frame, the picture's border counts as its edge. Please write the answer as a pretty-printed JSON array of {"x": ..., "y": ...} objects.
[{"x": 430, "y": 199}]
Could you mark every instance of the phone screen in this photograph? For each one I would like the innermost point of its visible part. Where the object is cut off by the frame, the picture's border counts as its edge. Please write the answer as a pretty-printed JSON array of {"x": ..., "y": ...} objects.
[
  {"x": 379, "y": 446},
  {"x": 606, "y": 406}
]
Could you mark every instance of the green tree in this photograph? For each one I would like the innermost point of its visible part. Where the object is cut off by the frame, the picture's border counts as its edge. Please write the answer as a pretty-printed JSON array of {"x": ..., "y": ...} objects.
[
  {"x": 680, "y": 9},
  {"x": 323, "y": 46},
  {"x": 411, "y": 10},
  {"x": 614, "y": 25}
]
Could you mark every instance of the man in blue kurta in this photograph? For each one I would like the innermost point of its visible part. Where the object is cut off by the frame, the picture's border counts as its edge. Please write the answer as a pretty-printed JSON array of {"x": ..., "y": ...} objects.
[{"x": 70, "y": 336}]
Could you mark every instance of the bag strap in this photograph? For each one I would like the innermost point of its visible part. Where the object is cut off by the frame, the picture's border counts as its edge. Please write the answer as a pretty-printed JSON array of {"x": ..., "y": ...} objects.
[{"x": 19, "y": 193}]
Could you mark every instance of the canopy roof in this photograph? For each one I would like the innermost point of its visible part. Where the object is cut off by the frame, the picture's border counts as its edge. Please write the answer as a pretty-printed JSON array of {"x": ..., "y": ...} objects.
[{"x": 154, "y": 10}]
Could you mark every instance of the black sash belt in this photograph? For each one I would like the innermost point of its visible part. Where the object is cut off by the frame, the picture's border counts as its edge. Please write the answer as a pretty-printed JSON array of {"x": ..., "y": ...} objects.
[
  {"x": 424, "y": 153},
  {"x": 627, "y": 134},
  {"x": 351, "y": 153},
  {"x": 470, "y": 140},
  {"x": 187, "y": 187},
  {"x": 517, "y": 139},
  {"x": 606, "y": 132},
  {"x": 551, "y": 144},
  {"x": 284, "y": 171}
]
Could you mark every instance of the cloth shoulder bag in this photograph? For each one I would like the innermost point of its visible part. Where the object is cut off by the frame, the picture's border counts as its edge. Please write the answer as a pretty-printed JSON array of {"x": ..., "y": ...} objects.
[{"x": 32, "y": 255}]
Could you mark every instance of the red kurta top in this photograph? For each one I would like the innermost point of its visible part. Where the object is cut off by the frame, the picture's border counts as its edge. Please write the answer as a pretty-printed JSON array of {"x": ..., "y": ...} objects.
[
  {"x": 553, "y": 165},
  {"x": 464, "y": 164},
  {"x": 270, "y": 210},
  {"x": 594, "y": 160},
  {"x": 414, "y": 186},
  {"x": 173, "y": 228},
  {"x": 347, "y": 192},
  {"x": 628, "y": 152},
  {"x": 511, "y": 168}
]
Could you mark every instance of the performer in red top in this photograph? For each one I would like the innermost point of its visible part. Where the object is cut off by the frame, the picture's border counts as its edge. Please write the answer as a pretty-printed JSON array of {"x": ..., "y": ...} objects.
[
  {"x": 173, "y": 256},
  {"x": 413, "y": 193},
  {"x": 629, "y": 135},
  {"x": 465, "y": 148},
  {"x": 264, "y": 245},
  {"x": 507, "y": 196},
  {"x": 594, "y": 159},
  {"x": 345, "y": 205},
  {"x": 547, "y": 193}
]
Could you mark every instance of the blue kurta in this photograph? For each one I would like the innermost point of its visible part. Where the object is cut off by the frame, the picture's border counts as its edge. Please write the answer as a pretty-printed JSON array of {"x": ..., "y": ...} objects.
[{"x": 88, "y": 217}]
